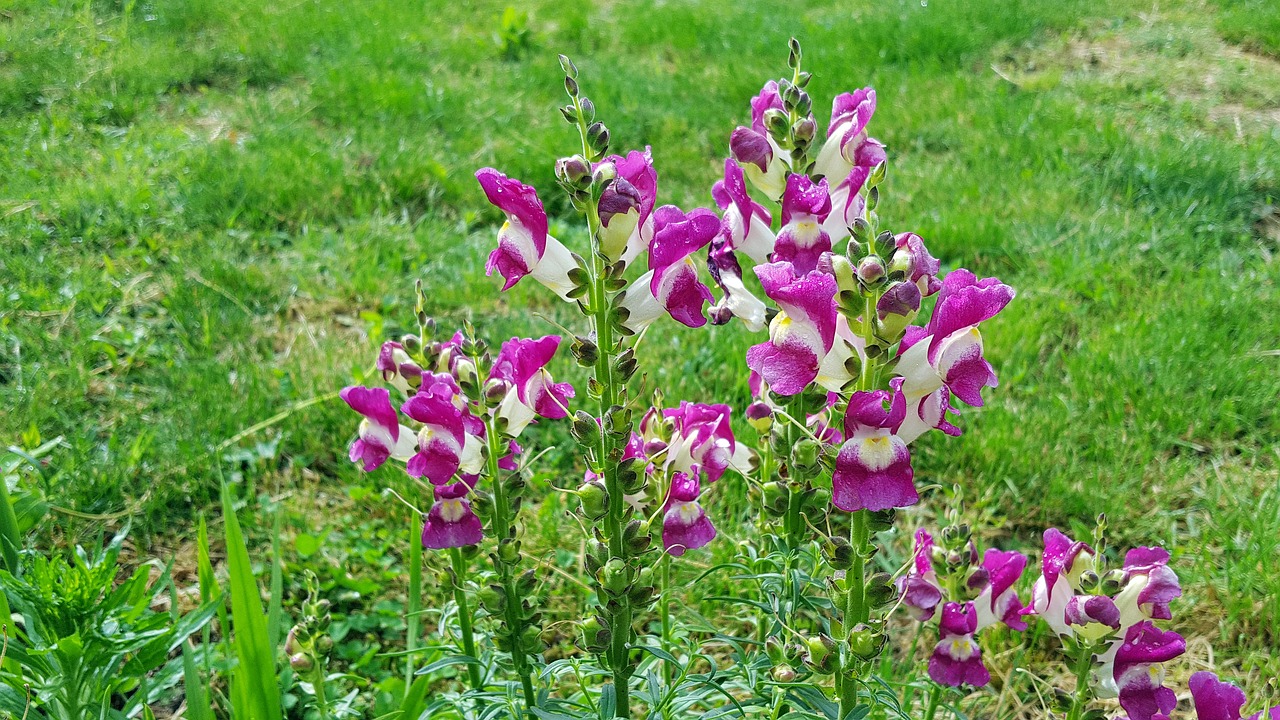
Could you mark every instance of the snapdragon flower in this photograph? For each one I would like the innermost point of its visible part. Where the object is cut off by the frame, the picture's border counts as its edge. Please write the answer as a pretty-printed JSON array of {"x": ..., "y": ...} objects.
[
  {"x": 524, "y": 247},
  {"x": 766, "y": 162},
  {"x": 746, "y": 225},
  {"x": 451, "y": 522},
  {"x": 944, "y": 358},
  {"x": 381, "y": 436},
  {"x": 802, "y": 239},
  {"x": 626, "y": 206},
  {"x": 672, "y": 283},
  {"x": 873, "y": 467},
  {"x": 397, "y": 367},
  {"x": 1218, "y": 700},
  {"x": 443, "y": 439},
  {"x": 847, "y": 203},
  {"x": 685, "y": 525},
  {"x": 522, "y": 365},
  {"x": 847, "y": 144},
  {"x": 702, "y": 438},
  {"x": 801, "y": 334},
  {"x": 1139, "y": 671},
  {"x": 988, "y": 596}
]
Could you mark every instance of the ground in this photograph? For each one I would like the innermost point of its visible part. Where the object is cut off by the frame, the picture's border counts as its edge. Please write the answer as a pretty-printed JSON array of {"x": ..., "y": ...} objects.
[{"x": 212, "y": 212}]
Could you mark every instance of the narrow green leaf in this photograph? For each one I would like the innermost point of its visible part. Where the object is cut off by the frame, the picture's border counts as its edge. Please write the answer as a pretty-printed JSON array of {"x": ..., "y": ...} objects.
[
  {"x": 257, "y": 670},
  {"x": 274, "y": 608}
]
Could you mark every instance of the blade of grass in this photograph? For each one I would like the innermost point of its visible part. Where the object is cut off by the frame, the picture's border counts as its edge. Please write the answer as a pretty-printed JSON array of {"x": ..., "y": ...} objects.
[
  {"x": 274, "y": 603},
  {"x": 256, "y": 672}
]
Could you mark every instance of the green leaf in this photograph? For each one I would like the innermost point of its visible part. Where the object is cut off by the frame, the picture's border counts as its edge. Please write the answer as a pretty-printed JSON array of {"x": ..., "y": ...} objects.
[
  {"x": 256, "y": 673},
  {"x": 306, "y": 545},
  {"x": 445, "y": 662}
]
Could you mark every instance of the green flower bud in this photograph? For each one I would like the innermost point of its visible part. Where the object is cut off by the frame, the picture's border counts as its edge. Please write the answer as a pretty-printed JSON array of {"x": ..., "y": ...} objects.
[
  {"x": 775, "y": 649},
  {"x": 614, "y": 577},
  {"x": 865, "y": 642},
  {"x": 301, "y": 662},
  {"x": 784, "y": 673},
  {"x": 594, "y": 499}
]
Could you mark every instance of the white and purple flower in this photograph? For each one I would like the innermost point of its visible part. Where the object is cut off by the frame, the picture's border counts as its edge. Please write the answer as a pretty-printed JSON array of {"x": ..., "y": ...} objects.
[
  {"x": 626, "y": 206},
  {"x": 957, "y": 658},
  {"x": 381, "y": 436},
  {"x": 847, "y": 203},
  {"x": 847, "y": 144},
  {"x": 443, "y": 440},
  {"x": 802, "y": 239},
  {"x": 801, "y": 334},
  {"x": 1061, "y": 566},
  {"x": 746, "y": 225},
  {"x": 945, "y": 357},
  {"x": 998, "y": 600},
  {"x": 522, "y": 363},
  {"x": 524, "y": 247},
  {"x": 1139, "y": 673},
  {"x": 702, "y": 438},
  {"x": 672, "y": 283},
  {"x": 766, "y": 162},
  {"x": 921, "y": 592},
  {"x": 451, "y": 523},
  {"x": 685, "y": 525},
  {"x": 1218, "y": 700},
  {"x": 873, "y": 467}
]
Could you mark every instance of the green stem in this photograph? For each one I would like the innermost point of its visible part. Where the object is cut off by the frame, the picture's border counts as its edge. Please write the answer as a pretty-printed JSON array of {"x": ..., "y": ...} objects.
[
  {"x": 855, "y": 606},
  {"x": 935, "y": 697},
  {"x": 1083, "y": 664},
  {"x": 413, "y": 620},
  {"x": 464, "y": 617},
  {"x": 620, "y": 618},
  {"x": 665, "y": 613},
  {"x": 514, "y": 605},
  {"x": 317, "y": 684}
]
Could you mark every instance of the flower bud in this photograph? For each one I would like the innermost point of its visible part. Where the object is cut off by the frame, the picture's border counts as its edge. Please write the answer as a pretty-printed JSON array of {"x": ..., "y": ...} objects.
[
  {"x": 465, "y": 370},
  {"x": 871, "y": 270},
  {"x": 805, "y": 453},
  {"x": 495, "y": 391},
  {"x": 897, "y": 308},
  {"x": 412, "y": 344},
  {"x": 595, "y": 500},
  {"x": 653, "y": 447},
  {"x": 573, "y": 171},
  {"x": 595, "y": 637},
  {"x": 865, "y": 642},
  {"x": 760, "y": 417},
  {"x": 901, "y": 262},
  {"x": 775, "y": 121},
  {"x": 613, "y": 577},
  {"x": 598, "y": 139},
  {"x": 880, "y": 589},
  {"x": 775, "y": 496},
  {"x": 838, "y": 552},
  {"x": 605, "y": 172},
  {"x": 784, "y": 673},
  {"x": 839, "y": 267},
  {"x": 324, "y": 644},
  {"x": 774, "y": 648},
  {"x": 820, "y": 653},
  {"x": 804, "y": 130},
  {"x": 301, "y": 662}
]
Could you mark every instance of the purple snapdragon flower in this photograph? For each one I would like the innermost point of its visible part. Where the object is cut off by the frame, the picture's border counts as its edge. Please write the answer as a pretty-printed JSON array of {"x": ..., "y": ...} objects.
[
  {"x": 685, "y": 525},
  {"x": 524, "y": 247}
]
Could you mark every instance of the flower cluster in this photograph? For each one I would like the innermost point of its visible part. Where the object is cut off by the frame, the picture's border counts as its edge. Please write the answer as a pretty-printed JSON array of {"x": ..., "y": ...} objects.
[
  {"x": 1106, "y": 617},
  {"x": 448, "y": 446},
  {"x": 948, "y": 582}
]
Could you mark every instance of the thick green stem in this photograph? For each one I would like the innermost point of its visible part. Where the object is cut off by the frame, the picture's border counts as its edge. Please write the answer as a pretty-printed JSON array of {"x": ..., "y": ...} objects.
[
  {"x": 935, "y": 697},
  {"x": 855, "y": 606},
  {"x": 1084, "y": 663},
  {"x": 413, "y": 620},
  {"x": 317, "y": 684},
  {"x": 502, "y": 527},
  {"x": 464, "y": 617}
]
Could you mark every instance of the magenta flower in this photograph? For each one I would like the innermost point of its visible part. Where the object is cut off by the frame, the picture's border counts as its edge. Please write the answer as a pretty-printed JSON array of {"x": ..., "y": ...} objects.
[
  {"x": 626, "y": 206},
  {"x": 522, "y": 363},
  {"x": 1061, "y": 566},
  {"x": 913, "y": 258},
  {"x": 805, "y": 206},
  {"x": 801, "y": 334},
  {"x": 381, "y": 435},
  {"x": 766, "y": 163},
  {"x": 945, "y": 358},
  {"x": 1092, "y": 617},
  {"x": 736, "y": 300},
  {"x": 957, "y": 658},
  {"x": 524, "y": 247},
  {"x": 1149, "y": 586},
  {"x": 703, "y": 439},
  {"x": 1139, "y": 675},
  {"x": 397, "y": 367},
  {"x": 451, "y": 522},
  {"x": 672, "y": 283},
  {"x": 746, "y": 225},
  {"x": 1218, "y": 700},
  {"x": 873, "y": 468},
  {"x": 920, "y": 590},
  {"x": 847, "y": 144},
  {"x": 998, "y": 600},
  {"x": 847, "y": 203},
  {"x": 685, "y": 525},
  {"x": 443, "y": 440}
]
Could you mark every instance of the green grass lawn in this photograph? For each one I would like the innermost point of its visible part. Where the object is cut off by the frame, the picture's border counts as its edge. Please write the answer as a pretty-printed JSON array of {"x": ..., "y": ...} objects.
[{"x": 211, "y": 213}]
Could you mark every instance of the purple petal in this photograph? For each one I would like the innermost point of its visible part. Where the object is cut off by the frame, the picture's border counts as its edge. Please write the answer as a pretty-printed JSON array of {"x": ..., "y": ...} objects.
[
  {"x": 450, "y": 524},
  {"x": 787, "y": 368},
  {"x": 374, "y": 404},
  {"x": 750, "y": 147},
  {"x": 873, "y": 472},
  {"x": 518, "y": 201},
  {"x": 1214, "y": 699}
]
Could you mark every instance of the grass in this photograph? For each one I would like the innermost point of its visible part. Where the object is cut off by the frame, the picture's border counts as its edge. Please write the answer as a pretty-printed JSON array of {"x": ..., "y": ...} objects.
[{"x": 213, "y": 211}]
